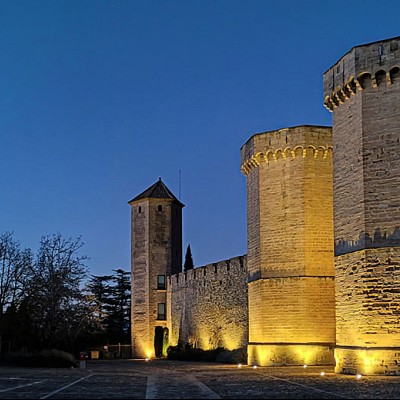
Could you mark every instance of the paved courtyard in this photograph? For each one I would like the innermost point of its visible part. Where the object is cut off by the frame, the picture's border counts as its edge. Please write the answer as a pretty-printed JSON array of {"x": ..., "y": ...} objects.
[{"x": 162, "y": 379}]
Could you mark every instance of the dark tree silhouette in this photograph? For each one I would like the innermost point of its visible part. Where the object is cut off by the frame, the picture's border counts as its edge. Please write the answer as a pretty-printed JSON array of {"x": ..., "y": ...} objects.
[
  {"x": 112, "y": 294},
  {"x": 54, "y": 295},
  {"x": 188, "y": 259}
]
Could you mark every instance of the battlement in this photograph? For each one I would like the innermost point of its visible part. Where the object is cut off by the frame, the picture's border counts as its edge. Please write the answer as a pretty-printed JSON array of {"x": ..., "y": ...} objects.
[
  {"x": 209, "y": 305},
  {"x": 365, "y": 66},
  {"x": 210, "y": 272},
  {"x": 298, "y": 141}
]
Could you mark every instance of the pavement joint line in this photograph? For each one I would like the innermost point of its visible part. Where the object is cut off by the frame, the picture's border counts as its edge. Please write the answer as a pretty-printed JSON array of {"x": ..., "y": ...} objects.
[
  {"x": 204, "y": 388},
  {"x": 308, "y": 387},
  {"x": 14, "y": 379},
  {"x": 150, "y": 387},
  {"x": 19, "y": 387},
  {"x": 152, "y": 384},
  {"x": 66, "y": 386}
]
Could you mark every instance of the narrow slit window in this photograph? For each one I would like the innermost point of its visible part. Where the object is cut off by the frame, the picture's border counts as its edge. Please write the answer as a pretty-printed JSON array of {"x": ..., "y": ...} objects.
[{"x": 159, "y": 208}]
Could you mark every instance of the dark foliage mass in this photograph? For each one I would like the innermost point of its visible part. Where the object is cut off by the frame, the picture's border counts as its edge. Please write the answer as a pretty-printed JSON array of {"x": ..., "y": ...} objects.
[
  {"x": 188, "y": 259},
  {"x": 185, "y": 352},
  {"x": 112, "y": 297},
  {"x": 41, "y": 359},
  {"x": 45, "y": 305}
]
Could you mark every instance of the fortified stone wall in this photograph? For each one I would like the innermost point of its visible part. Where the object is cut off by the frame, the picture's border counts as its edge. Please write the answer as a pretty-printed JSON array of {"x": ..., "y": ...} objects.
[
  {"x": 368, "y": 291},
  {"x": 362, "y": 90},
  {"x": 290, "y": 246},
  {"x": 209, "y": 305}
]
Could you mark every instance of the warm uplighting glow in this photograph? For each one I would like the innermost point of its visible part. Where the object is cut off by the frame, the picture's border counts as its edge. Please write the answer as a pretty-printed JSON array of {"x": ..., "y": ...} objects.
[
  {"x": 239, "y": 366},
  {"x": 254, "y": 366},
  {"x": 227, "y": 338},
  {"x": 146, "y": 359},
  {"x": 367, "y": 361},
  {"x": 300, "y": 354},
  {"x": 322, "y": 373}
]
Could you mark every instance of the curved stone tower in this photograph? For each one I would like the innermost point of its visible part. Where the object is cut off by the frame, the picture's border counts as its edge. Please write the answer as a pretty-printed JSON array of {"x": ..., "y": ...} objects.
[
  {"x": 156, "y": 246},
  {"x": 290, "y": 246},
  {"x": 362, "y": 90}
]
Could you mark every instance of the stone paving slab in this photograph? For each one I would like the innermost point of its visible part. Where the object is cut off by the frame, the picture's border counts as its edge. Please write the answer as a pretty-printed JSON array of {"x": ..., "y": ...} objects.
[{"x": 162, "y": 379}]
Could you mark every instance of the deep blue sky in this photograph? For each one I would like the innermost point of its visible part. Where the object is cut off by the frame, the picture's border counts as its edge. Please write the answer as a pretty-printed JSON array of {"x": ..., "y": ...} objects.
[{"x": 100, "y": 98}]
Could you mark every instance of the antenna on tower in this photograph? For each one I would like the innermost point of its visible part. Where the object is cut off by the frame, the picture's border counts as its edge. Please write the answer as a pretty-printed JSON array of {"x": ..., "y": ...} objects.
[{"x": 179, "y": 184}]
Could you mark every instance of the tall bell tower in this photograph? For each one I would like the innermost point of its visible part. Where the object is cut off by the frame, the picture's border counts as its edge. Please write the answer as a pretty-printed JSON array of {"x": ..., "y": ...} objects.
[{"x": 156, "y": 253}]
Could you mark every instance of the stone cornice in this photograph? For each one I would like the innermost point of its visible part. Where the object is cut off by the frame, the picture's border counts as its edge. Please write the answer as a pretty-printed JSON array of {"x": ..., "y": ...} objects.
[
  {"x": 364, "y": 80},
  {"x": 273, "y": 155}
]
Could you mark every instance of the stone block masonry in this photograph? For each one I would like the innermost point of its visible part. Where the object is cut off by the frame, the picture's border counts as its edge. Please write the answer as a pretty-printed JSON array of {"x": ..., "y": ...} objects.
[
  {"x": 320, "y": 283},
  {"x": 368, "y": 307},
  {"x": 290, "y": 246},
  {"x": 156, "y": 252},
  {"x": 363, "y": 91},
  {"x": 209, "y": 305}
]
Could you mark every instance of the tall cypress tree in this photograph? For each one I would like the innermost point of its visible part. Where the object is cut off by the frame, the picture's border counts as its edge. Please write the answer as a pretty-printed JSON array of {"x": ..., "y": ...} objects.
[{"x": 188, "y": 259}]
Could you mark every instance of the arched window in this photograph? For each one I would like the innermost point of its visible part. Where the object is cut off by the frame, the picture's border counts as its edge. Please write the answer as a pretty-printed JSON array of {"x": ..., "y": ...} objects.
[
  {"x": 380, "y": 77},
  {"x": 365, "y": 80},
  {"x": 395, "y": 74}
]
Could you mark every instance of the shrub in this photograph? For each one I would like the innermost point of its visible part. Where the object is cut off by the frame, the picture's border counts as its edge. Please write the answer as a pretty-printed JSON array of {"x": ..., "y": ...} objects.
[
  {"x": 51, "y": 358},
  {"x": 221, "y": 355},
  {"x": 233, "y": 356}
]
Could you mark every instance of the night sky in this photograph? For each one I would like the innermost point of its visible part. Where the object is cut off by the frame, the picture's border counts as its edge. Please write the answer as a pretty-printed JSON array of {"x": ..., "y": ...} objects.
[{"x": 98, "y": 99}]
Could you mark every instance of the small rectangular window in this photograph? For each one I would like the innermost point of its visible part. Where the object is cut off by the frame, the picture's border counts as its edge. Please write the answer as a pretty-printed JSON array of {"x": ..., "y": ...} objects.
[
  {"x": 161, "y": 282},
  {"x": 161, "y": 311}
]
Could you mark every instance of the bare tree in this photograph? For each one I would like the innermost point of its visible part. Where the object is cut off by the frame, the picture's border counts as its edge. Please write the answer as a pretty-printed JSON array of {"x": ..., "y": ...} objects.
[
  {"x": 14, "y": 265},
  {"x": 58, "y": 305}
]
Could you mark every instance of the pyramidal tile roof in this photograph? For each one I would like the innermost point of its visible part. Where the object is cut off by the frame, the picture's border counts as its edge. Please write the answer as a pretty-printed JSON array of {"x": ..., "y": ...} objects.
[{"x": 156, "y": 191}]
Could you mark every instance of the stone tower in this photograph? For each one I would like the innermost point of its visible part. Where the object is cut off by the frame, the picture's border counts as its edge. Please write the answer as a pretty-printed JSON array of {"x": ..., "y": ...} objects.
[
  {"x": 290, "y": 246},
  {"x": 362, "y": 90},
  {"x": 156, "y": 253}
]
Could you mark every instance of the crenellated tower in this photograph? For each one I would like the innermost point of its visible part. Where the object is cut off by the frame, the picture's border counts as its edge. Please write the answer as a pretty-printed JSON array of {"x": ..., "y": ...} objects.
[
  {"x": 291, "y": 299},
  {"x": 362, "y": 90},
  {"x": 156, "y": 253}
]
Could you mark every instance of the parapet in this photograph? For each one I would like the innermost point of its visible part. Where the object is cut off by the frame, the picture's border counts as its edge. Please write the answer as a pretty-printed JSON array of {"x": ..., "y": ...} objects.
[
  {"x": 370, "y": 65},
  {"x": 285, "y": 143}
]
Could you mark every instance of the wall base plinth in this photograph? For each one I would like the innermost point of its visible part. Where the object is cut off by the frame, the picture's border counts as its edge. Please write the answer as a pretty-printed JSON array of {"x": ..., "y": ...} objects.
[
  {"x": 278, "y": 354},
  {"x": 367, "y": 361}
]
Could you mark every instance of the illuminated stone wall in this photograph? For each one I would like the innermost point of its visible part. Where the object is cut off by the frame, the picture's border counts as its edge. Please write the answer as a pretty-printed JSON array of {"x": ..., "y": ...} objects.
[
  {"x": 209, "y": 305},
  {"x": 363, "y": 91},
  {"x": 141, "y": 345},
  {"x": 156, "y": 250},
  {"x": 290, "y": 246}
]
